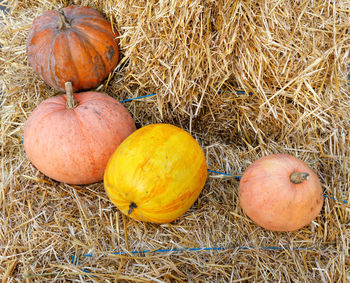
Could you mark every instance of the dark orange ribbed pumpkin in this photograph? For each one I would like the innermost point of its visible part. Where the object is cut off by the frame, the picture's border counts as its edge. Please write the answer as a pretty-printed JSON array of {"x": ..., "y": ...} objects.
[{"x": 75, "y": 44}]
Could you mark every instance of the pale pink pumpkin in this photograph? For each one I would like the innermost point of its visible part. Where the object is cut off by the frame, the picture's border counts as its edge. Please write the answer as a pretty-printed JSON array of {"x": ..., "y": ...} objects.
[
  {"x": 280, "y": 192},
  {"x": 72, "y": 143}
]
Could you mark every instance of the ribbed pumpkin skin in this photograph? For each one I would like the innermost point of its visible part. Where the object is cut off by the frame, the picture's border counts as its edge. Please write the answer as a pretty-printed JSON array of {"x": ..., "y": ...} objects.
[
  {"x": 74, "y": 145},
  {"x": 83, "y": 53},
  {"x": 161, "y": 169},
  {"x": 271, "y": 200}
]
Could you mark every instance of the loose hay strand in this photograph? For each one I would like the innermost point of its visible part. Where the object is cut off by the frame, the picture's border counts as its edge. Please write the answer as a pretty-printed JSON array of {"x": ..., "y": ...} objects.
[{"x": 290, "y": 60}]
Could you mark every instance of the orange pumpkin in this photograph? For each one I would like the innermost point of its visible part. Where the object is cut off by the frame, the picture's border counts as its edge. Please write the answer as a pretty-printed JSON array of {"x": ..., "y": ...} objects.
[
  {"x": 75, "y": 44},
  {"x": 280, "y": 193},
  {"x": 71, "y": 141},
  {"x": 156, "y": 174}
]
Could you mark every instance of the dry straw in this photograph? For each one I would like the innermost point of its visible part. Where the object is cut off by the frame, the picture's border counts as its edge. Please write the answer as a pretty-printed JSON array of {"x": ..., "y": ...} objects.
[{"x": 289, "y": 57}]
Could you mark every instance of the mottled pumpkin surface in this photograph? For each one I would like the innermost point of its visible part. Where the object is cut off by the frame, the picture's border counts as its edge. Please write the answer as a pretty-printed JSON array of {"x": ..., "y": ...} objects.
[
  {"x": 271, "y": 200},
  {"x": 74, "y": 145},
  {"x": 156, "y": 174},
  {"x": 74, "y": 44}
]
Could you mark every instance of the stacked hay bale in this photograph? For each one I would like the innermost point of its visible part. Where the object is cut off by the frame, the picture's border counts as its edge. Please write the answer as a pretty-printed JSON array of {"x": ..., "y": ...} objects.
[{"x": 287, "y": 60}]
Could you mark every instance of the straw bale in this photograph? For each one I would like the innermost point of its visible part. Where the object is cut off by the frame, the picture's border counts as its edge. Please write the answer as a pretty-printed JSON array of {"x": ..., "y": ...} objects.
[{"x": 289, "y": 61}]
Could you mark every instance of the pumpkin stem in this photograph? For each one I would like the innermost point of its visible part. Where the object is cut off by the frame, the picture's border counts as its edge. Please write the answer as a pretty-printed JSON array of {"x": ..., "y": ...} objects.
[
  {"x": 131, "y": 207},
  {"x": 71, "y": 103},
  {"x": 298, "y": 177},
  {"x": 63, "y": 22}
]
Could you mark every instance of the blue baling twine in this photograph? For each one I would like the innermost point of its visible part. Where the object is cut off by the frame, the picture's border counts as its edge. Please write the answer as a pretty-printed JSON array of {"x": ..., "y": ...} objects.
[
  {"x": 204, "y": 249},
  {"x": 333, "y": 198},
  {"x": 225, "y": 174},
  {"x": 139, "y": 97},
  {"x": 74, "y": 259},
  {"x": 154, "y": 94}
]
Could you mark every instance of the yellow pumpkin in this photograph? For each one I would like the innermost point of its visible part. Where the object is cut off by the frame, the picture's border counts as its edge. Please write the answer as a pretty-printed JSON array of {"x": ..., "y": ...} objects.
[{"x": 156, "y": 173}]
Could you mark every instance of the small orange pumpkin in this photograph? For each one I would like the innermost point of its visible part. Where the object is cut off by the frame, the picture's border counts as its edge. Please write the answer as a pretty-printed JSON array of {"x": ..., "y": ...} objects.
[
  {"x": 280, "y": 193},
  {"x": 75, "y": 44},
  {"x": 156, "y": 174},
  {"x": 71, "y": 141}
]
